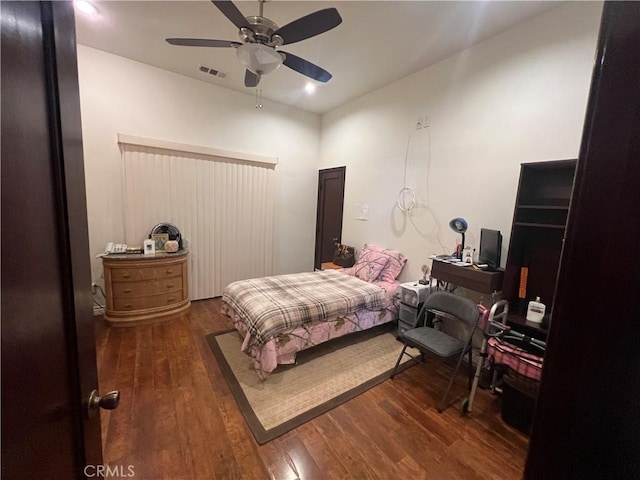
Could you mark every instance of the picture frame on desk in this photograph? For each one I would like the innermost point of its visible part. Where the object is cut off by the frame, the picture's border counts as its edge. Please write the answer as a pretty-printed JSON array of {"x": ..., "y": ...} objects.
[{"x": 160, "y": 239}]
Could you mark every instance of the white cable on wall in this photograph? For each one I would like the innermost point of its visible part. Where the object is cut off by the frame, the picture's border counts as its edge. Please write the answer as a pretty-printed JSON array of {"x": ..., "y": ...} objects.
[
  {"x": 407, "y": 196},
  {"x": 428, "y": 185},
  {"x": 406, "y": 200}
]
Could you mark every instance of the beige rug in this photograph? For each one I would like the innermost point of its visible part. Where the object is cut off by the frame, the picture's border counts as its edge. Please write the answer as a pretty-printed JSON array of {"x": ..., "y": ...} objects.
[{"x": 324, "y": 377}]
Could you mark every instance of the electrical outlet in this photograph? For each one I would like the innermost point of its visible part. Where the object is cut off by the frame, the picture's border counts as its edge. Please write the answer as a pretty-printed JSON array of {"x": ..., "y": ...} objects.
[
  {"x": 94, "y": 288},
  {"x": 419, "y": 123}
]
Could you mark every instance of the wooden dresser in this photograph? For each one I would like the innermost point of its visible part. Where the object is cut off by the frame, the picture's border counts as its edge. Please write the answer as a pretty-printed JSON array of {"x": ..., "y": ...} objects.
[{"x": 142, "y": 289}]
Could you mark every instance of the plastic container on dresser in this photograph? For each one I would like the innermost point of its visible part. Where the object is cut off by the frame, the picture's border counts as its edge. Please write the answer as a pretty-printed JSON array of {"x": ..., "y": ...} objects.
[{"x": 142, "y": 289}]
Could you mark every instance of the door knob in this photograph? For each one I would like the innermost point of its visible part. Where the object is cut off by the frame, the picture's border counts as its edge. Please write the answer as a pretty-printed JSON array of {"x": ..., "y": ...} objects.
[{"x": 109, "y": 401}]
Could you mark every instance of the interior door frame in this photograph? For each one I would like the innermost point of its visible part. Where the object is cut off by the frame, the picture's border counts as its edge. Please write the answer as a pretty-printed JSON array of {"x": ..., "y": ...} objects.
[
  {"x": 586, "y": 420},
  {"x": 70, "y": 153},
  {"x": 320, "y": 210},
  {"x": 47, "y": 136}
]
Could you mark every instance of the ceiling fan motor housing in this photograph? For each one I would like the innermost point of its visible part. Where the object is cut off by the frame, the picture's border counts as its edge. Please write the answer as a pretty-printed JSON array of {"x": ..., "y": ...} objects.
[{"x": 261, "y": 31}]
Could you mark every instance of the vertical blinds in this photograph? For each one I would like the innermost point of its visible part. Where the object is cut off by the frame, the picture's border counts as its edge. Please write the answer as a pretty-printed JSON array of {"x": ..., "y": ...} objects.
[{"x": 223, "y": 207}]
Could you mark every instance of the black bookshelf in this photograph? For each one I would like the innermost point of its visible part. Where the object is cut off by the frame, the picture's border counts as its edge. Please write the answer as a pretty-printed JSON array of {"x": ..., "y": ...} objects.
[{"x": 537, "y": 233}]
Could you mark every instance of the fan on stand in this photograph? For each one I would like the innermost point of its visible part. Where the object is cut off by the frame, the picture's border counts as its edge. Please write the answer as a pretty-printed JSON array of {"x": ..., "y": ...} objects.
[{"x": 261, "y": 37}]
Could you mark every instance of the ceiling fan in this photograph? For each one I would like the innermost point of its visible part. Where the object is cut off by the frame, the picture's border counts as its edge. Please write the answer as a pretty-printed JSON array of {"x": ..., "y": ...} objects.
[{"x": 261, "y": 37}]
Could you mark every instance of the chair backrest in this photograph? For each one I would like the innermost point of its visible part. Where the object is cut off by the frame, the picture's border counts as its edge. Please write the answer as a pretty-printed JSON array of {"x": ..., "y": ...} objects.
[{"x": 460, "y": 307}]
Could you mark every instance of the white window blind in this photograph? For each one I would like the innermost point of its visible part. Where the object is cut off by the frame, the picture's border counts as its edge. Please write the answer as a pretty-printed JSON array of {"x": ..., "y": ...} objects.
[{"x": 222, "y": 205}]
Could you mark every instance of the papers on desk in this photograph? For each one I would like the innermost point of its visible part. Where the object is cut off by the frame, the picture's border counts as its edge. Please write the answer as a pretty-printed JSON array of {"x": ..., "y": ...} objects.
[
  {"x": 444, "y": 258},
  {"x": 451, "y": 260}
]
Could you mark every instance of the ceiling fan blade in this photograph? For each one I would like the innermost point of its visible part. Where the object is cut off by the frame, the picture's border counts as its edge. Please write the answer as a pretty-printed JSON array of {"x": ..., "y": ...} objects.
[
  {"x": 201, "y": 42},
  {"x": 305, "y": 67},
  {"x": 251, "y": 79},
  {"x": 231, "y": 12},
  {"x": 309, "y": 25}
]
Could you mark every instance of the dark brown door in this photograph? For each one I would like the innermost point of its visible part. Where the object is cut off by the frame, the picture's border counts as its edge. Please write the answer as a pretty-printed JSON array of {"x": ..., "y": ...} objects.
[
  {"x": 48, "y": 346},
  {"x": 329, "y": 215},
  {"x": 587, "y": 423}
]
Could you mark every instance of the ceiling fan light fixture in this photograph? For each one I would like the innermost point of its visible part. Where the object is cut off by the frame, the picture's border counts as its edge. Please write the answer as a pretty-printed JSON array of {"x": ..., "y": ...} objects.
[
  {"x": 85, "y": 7},
  {"x": 259, "y": 58}
]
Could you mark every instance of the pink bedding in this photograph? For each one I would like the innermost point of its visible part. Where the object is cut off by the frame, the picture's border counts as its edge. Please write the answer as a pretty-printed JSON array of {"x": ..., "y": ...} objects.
[{"x": 283, "y": 347}]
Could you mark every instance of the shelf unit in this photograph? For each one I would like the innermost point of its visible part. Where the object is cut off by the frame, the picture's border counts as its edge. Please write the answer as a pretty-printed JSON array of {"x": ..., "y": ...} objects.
[
  {"x": 412, "y": 296},
  {"x": 537, "y": 236}
]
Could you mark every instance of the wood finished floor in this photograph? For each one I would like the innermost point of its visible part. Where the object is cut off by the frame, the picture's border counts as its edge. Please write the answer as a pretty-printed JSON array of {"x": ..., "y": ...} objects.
[{"x": 178, "y": 420}]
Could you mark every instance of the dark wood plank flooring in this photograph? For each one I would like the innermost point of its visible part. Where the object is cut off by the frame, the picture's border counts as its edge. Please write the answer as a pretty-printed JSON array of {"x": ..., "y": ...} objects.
[{"x": 178, "y": 420}]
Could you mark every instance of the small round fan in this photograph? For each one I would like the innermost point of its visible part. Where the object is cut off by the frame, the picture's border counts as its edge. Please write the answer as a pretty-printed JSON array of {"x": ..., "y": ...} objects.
[{"x": 171, "y": 230}]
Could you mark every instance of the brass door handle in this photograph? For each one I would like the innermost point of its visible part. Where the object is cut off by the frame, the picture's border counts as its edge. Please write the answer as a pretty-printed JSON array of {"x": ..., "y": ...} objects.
[{"x": 95, "y": 402}]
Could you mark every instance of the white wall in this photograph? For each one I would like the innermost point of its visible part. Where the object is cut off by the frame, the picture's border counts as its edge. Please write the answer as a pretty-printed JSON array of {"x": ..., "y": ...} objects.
[
  {"x": 517, "y": 97},
  {"x": 119, "y": 95}
]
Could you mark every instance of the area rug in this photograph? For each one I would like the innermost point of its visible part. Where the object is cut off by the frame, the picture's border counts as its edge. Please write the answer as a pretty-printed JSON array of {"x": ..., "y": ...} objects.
[{"x": 324, "y": 377}]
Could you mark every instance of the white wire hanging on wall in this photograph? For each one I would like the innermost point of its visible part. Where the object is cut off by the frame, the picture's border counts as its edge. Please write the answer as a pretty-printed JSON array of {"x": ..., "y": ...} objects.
[{"x": 407, "y": 200}]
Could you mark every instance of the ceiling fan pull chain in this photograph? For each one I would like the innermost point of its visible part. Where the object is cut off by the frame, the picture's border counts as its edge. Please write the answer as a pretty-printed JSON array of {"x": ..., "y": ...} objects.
[{"x": 258, "y": 98}]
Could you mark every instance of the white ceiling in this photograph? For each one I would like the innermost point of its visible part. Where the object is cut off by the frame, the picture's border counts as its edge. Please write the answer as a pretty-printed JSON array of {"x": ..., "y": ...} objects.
[{"x": 377, "y": 43}]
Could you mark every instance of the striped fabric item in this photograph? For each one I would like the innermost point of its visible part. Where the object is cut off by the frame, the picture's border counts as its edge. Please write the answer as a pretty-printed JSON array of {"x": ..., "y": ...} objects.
[
  {"x": 269, "y": 305},
  {"x": 518, "y": 360}
]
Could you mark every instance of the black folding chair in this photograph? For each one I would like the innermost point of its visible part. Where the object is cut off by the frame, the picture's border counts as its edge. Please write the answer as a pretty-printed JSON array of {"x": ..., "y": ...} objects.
[{"x": 458, "y": 317}]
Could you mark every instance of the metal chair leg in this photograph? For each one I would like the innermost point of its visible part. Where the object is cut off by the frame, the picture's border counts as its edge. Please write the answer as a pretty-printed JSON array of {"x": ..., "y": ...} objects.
[
  {"x": 453, "y": 377},
  {"x": 470, "y": 368},
  {"x": 395, "y": 368}
]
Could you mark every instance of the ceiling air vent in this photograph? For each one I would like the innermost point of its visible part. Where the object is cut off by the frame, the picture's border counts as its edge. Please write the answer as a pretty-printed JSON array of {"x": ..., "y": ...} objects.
[{"x": 211, "y": 71}]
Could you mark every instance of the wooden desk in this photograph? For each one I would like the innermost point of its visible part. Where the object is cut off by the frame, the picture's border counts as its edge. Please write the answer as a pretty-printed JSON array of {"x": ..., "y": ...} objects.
[{"x": 468, "y": 277}]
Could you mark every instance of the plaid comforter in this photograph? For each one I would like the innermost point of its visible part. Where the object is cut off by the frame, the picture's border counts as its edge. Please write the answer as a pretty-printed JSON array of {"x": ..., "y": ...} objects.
[{"x": 269, "y": 305}]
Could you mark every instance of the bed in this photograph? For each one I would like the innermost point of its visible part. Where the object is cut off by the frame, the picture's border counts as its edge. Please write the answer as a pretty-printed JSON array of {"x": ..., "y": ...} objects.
[{"x": 281, "y": 315}]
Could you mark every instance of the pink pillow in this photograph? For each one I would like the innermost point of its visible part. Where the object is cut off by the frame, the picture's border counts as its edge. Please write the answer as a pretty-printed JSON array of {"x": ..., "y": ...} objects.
[
  {"x": 369, "y": 265},
  {"x": 395, "y": 261}
]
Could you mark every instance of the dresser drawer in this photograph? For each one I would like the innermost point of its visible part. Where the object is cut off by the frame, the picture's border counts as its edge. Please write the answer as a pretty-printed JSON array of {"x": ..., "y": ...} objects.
[
  {"x": 150, "y": 301},
  {"x": 151, "y": 287},
  {"x": 408, "y": 314},
  {"x": 145, "y": 273},
  {"x": 413, "y": 294}
]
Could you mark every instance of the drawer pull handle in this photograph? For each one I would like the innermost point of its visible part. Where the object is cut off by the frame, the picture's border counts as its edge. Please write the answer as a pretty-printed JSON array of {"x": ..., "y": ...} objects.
[
  {"x": 171, "y": 299},
  {"x": 128, "y": 306},
  {"x": 169, "y": 271},
  {"x": 170, "y": 285},
  {"x": 126, "y": 275},
  {"x": 127, "y": 290}
]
